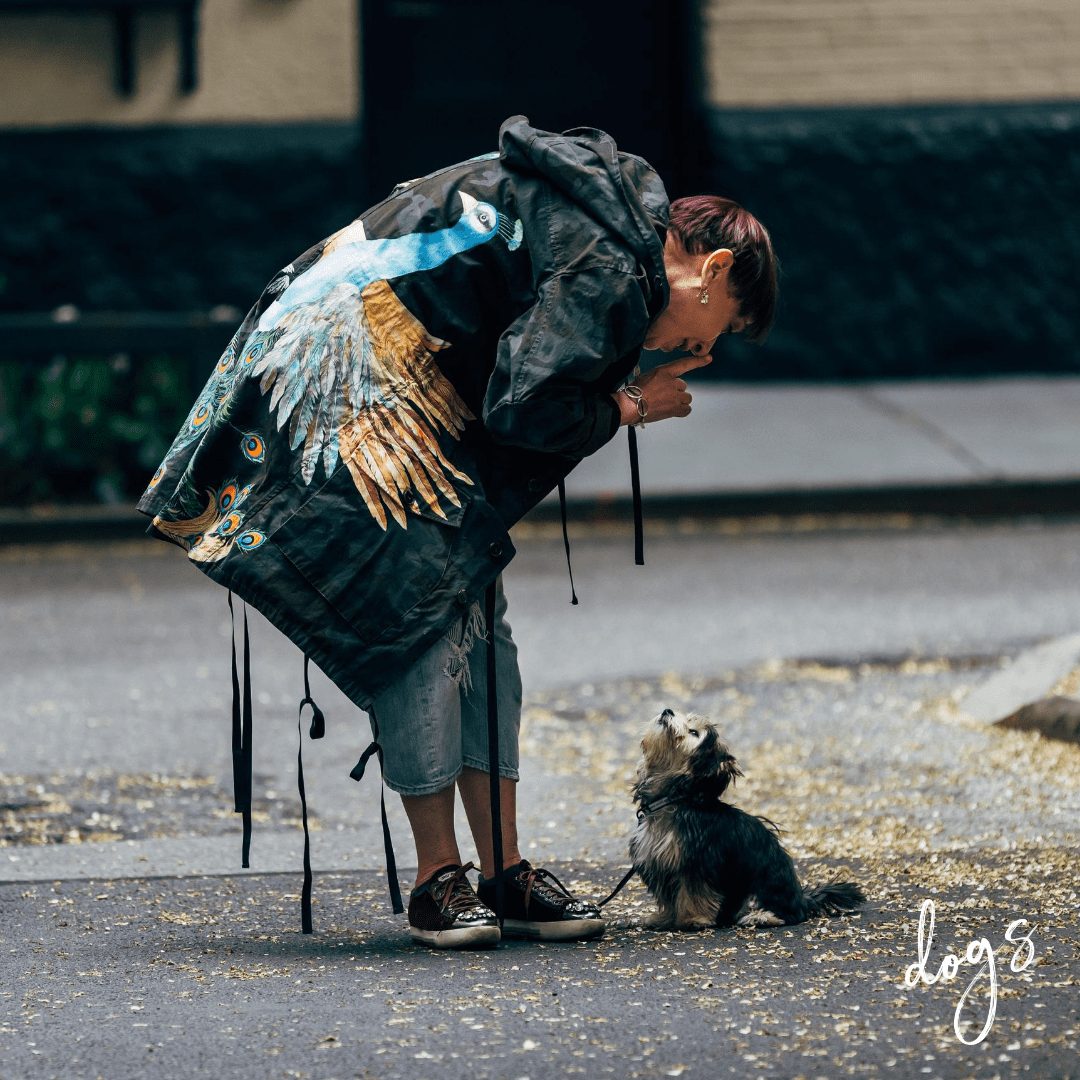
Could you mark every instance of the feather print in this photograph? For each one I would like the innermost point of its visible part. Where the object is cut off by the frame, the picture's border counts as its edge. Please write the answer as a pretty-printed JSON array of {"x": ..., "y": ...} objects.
[
  {"x": 209, "y": 535},
  {"x": 348, "y": 373},
  {"x": 206, "y": 404},
  {"x": 192, "y": 527},
  {"x": 361, "y": 261},
  {"x": 253, "y": 447}
]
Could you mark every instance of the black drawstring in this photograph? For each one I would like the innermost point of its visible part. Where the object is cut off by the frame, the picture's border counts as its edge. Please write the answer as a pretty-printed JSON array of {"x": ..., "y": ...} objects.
[
  {"x": 316, "y": 731},
  {"x": 493, "y": 753},
  {"x": 566, "y": 539},
  {"x": 241, "y": 736},
  {"x": 388, "y": 844},
  {"x": 635, "y": 486}
]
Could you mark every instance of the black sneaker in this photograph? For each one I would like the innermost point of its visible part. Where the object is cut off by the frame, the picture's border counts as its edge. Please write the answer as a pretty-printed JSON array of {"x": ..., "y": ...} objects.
[
  {"x": 445, "y": 913},
  {"x": 537, "y": 905}
]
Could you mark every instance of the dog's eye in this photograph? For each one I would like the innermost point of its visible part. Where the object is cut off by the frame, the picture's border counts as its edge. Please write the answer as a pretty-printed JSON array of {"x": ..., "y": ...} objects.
[{"x": 693, "y": 731}]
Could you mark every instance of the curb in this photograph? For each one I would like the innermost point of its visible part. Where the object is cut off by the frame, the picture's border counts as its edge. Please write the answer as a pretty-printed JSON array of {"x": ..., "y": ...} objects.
[
  {"x": 1021, "y": 694},
  {"x": 75, "y": 524},
  {"x": 997, "y": 499}
]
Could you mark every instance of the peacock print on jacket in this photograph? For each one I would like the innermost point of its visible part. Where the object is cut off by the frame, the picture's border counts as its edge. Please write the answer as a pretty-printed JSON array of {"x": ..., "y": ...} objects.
[
  {"x": 405, "y": 391},
  {"x": 347, "y": 372}
]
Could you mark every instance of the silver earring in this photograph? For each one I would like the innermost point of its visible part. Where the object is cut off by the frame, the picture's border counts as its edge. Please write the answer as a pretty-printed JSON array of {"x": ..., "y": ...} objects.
[{"x": 704, "y": 297}]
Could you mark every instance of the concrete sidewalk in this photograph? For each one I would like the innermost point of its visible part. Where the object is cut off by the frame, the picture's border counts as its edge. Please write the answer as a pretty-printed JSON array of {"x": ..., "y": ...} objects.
[
  {"x": 985, "y": 446},
  {"x": 976, "y": 446}
]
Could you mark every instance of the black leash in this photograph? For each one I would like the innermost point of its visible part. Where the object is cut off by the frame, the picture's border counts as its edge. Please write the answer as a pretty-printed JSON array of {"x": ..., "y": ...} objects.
[
  {"x": 566, "y": 539},
  {"x": 635, "y": 488},
  {"x": 493, "y": 753},
  {"x": 619, "y": 888}
]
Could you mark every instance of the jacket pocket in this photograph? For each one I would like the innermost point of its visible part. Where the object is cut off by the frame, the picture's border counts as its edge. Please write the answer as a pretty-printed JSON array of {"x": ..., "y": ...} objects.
[{"x": 373, "y": 576}]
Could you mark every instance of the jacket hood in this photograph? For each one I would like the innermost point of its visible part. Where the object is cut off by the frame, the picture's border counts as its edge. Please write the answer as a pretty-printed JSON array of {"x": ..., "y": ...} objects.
[{"x": 621, "y": 191}]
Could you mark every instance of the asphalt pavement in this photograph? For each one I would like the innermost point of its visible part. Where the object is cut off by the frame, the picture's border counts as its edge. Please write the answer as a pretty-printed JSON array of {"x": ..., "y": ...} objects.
[
  {"x": 871, "y": 769},
  {"x": 839, "y": 653}
]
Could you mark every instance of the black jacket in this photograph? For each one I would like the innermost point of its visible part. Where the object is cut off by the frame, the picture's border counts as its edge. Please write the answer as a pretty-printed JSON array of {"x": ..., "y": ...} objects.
[{"x": 407, "y": 389}]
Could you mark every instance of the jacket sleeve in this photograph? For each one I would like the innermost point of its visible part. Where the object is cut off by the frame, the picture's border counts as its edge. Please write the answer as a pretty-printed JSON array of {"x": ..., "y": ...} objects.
[{"x": 548, "y": 391}]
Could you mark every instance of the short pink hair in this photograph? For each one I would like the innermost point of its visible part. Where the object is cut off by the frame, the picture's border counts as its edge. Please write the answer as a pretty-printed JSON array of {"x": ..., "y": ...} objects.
[{"x": 703, "y": 223}]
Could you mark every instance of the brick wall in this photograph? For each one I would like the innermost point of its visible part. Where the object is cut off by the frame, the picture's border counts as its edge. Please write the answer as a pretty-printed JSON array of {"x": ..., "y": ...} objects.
[
  {"x": 913, "y": 239},
  {"x": 865, "y": 52}
]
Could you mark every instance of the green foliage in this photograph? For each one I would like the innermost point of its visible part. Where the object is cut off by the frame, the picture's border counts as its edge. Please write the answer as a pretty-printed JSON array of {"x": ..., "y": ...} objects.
[{"x": 87, "y": 430}]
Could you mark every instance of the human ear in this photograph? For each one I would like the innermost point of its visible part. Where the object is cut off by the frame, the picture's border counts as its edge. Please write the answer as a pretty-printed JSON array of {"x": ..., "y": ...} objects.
[{"x": 716, "y": 265}]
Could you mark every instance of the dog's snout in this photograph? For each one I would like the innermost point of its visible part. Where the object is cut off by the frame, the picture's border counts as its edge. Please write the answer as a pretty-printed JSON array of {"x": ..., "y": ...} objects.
[{"x": 666, "y": 717}]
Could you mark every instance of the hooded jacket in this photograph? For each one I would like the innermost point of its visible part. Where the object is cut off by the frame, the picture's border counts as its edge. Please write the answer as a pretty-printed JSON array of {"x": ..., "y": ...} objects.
[{"x": 407, "y": 389}]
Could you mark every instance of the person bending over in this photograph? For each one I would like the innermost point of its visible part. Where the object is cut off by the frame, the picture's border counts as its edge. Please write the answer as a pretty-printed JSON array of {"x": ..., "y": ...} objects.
[{"x": 403, "y": 393}]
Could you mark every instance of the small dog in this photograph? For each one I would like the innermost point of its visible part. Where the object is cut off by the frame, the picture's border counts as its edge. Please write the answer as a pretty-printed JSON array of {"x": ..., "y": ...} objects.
[{"x": 707, "y": 863}]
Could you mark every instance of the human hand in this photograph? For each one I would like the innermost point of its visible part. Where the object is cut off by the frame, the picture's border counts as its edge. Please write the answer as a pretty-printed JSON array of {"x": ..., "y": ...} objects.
[{"x": 663, "y": 390}]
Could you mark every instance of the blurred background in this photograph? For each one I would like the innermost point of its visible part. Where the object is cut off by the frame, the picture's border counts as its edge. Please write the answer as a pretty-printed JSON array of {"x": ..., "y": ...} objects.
[{"x": 917, "y": 162}]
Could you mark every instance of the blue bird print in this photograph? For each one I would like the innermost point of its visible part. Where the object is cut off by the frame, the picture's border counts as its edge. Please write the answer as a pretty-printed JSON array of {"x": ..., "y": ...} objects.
[
  {"x": 350, "y": 372},
  {"x": 359, "y": 262}
]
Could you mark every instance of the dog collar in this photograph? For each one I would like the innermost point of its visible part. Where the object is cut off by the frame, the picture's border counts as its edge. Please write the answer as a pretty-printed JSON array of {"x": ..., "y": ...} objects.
[{"x": 647, "y": 809}]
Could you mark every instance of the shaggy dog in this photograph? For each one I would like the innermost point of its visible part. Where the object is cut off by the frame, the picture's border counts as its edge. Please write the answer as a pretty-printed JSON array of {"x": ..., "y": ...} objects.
[{"x": 707, "y": 863}]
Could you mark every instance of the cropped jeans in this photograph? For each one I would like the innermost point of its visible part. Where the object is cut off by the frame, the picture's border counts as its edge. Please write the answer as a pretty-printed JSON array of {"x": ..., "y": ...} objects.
[{"x": 433, "y": 720}]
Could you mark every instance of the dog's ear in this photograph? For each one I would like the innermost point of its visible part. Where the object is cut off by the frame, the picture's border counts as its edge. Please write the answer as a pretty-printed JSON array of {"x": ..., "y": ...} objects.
[{"x": 711, "y": 761}]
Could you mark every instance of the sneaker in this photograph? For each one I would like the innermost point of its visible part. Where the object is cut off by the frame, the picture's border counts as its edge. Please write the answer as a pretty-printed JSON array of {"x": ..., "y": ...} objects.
[
  {"x": 537, "y": 905},
  {"x": 445, "y": 913}
]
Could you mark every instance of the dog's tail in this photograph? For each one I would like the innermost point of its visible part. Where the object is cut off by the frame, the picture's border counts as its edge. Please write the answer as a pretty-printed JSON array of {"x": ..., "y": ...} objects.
[{"x": 834, "y": 898}]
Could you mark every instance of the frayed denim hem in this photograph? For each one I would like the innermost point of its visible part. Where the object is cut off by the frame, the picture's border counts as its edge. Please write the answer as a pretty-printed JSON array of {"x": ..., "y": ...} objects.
[
  {"x": 433, "y": 787},
  {"x": 507, "y": 772}
]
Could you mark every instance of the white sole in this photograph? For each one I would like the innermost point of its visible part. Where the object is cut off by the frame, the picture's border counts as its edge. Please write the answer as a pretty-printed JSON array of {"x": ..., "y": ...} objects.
[
  {"x": 462, "y": 937},
  {"x": 562, "y": 930}
]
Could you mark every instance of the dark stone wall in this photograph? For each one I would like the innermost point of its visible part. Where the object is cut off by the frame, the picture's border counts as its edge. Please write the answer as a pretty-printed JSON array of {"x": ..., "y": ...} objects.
[
  {"x": 167, "y": 219},
  {"x": 915, "y": 241}
]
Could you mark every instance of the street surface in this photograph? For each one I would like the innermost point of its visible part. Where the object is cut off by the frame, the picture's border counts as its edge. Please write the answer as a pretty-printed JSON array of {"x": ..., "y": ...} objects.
[{"x": 835, "y": 657}]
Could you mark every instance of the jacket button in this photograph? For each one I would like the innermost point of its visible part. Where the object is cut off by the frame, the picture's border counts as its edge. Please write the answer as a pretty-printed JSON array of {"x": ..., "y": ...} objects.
[
  {"x": 495, "y": 550},
  {"x": 535, "y": 485},
  {"x": 462, "y": 598}
]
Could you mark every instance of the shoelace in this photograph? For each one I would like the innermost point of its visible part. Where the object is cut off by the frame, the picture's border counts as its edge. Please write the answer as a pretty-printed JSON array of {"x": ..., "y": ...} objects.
[
  {"x": 548, "y": 886},
  {"x": 458, "y": 895}
]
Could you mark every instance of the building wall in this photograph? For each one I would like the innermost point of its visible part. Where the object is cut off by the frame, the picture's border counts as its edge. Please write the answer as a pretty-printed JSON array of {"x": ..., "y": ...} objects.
[
  {"x": 918, "y": 165},
  {"x": 259, "y": 61},
  {"x": 928, "y": 240},
  {"x": 917, "y": 161},
  {"x": 298, "y": 60},
  {"x": 764, "y": 53},
  {"x": 165, "y": 200}
]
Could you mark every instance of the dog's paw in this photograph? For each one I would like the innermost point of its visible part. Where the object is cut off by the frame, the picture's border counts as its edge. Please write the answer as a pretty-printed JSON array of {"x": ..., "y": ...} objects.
[
  {"x": 760, "y": 918},
  {"x": 697, "y": 924},
  {"x": 658, "y": 920}
]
